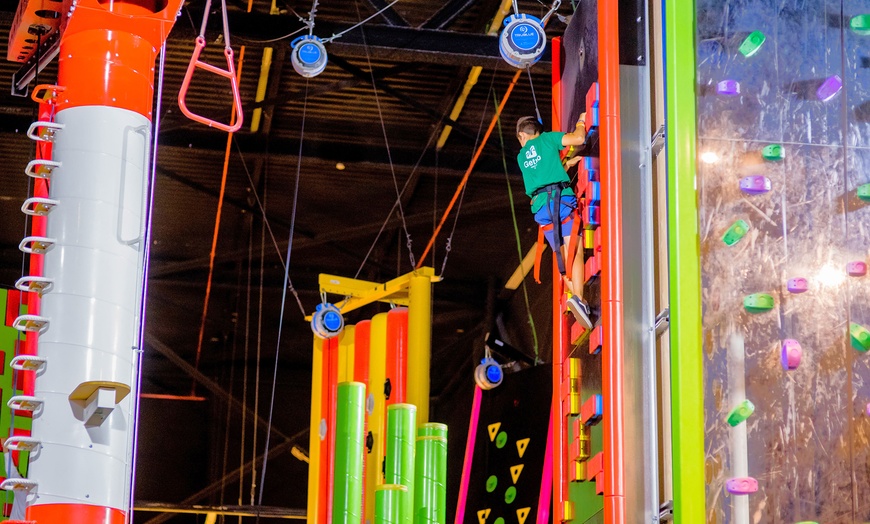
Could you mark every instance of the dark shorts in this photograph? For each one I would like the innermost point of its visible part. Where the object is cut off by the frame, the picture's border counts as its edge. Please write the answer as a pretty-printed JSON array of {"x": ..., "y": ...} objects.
[{"x": 544, "y": 217}]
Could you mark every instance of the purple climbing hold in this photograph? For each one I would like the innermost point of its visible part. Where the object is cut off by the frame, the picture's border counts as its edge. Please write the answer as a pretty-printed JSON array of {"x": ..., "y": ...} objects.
[
  {"x": 728, "y": 87},
  {"x": 741, "y": 485},
  {"x": 791, "y": 354},
  {"x": 755, "y": 184},
  {"x": 829, "y": 88},
  {"x": 797, "y": 285},
  {"x": 856, "y": 268}
]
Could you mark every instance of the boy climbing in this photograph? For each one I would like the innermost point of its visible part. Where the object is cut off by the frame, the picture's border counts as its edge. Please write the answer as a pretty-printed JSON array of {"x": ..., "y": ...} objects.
[{"x": 547, "y": 183}]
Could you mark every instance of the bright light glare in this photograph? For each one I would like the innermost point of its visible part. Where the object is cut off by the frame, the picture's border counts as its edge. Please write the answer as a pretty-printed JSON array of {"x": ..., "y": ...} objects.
[
  {"x": 709, "y": 157},
  {"x": 830, "y": 276},
  {"x": 340, "y": 166}
]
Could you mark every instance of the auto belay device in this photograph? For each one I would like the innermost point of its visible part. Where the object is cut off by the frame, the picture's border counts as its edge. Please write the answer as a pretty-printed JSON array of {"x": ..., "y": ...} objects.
[
  {"x": 523, "y": 40},
  {"x": 327, "y": 321},
  {"x": 309, "y": 56},
  {"x": 488, "y": 374}
]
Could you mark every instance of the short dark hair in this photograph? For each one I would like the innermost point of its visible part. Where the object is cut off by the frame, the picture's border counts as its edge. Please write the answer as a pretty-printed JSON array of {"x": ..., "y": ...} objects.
[{"x": 529, "y": 125}]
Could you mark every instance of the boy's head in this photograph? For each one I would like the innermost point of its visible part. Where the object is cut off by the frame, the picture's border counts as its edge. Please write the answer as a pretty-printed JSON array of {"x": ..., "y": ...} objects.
[{"x": 528, "y": 128}]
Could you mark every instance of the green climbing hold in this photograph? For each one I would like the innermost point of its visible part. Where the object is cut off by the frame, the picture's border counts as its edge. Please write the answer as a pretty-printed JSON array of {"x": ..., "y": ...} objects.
[
  {"x": 510, "y": 494},
  {"x": 499, "y": 521},
  {"x": 864, "y": 192},
  {"x": 758, "y": 302},
  {"x": 737, "y": 231},
  {"x": 860, "y": 337},
  {"x": 501, "y": 440},
  {"x": 860, "y": 24},
  {"x": 752, "y": 44},
  {"x": 491, "y": 483},
  {"x": 741, "y": 412},
  {"x": 773, "y": 152}
]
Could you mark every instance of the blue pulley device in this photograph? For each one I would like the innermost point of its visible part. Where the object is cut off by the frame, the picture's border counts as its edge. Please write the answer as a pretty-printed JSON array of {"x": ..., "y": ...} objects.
[
  {"x": 308, "y": 56},
  {"x": 327, "y": 321},
  {"x": 523, "y": 40},
  {"x": 488, "y": 374}
]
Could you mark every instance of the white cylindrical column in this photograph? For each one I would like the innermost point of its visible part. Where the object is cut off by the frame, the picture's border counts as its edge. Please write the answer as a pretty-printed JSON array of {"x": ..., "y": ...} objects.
[{"x": 87, "y": 386}]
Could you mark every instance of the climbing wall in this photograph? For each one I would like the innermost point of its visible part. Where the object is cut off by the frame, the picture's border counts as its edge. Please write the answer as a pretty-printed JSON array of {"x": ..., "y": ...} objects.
[
  {"x": 505, "y": 480},
  {"x": 10, "y": 308},
  {"x": 784, "y": 153}
]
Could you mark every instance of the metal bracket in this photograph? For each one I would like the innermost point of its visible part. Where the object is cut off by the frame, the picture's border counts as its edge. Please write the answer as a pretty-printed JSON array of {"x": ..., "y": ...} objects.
[
  {"x": 663, "y": 321},
  {"x": 49, "y": 49},
  {"x": 666, "y": 511},
  {"x": 657, "y": 144}
]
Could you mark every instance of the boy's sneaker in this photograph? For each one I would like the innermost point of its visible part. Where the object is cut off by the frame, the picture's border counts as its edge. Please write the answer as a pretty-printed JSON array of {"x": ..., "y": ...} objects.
[{"x": 581, "y": 311}]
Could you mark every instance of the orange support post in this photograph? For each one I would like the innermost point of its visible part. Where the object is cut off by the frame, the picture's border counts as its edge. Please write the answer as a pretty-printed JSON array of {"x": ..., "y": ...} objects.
[
  {"x": 556, "y": 48},
  {"x": 397, "y": 354},
  {"x": 560, "y": 429},
  {"x": 613, "y": 344}
]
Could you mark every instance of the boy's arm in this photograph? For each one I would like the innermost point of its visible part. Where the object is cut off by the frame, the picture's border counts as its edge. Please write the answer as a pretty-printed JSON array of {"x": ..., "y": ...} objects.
[{"x": 578, "y": 136}]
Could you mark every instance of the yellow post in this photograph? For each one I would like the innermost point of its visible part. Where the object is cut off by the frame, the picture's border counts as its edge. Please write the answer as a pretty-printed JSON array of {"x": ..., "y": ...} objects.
[
  {"x": 314, "y": 509},
  {"x": 419, "y": 345},
  {"x": 345, "y": 355},
  {"x": 377, "y": 376}
]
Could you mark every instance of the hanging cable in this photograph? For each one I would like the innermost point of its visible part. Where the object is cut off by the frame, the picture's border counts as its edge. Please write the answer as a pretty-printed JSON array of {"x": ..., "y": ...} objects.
[
  {"x": 245, "y": 370},
  {"x": 507, "y": 178},
  {"x": 387, "y": 144},
  {"x": 534, "y": 97},
  {"x": 471, "y": 166},
  {"x": 259, "y": 345},
  {"x": 283, "y": 299}
]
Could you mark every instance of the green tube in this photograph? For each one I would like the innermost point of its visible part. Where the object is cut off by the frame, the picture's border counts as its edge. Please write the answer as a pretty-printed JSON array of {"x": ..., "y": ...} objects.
[
  {"x": 349, "y": 445},
  {"x": 687, "y": 387},
  {"x": 432, "y": 429},
  {"x": 399, "y": 463},
  {"x": 389, "y": 500},
  {"x": 430, "y": 490}
]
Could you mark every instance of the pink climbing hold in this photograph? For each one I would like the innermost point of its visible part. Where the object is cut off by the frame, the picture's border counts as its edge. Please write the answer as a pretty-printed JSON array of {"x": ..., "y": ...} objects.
[
  {"x": 797, "y": 285},
  {"x": 856, "y": 268},
  {"x": 741, "y": 485},
  {"x": 791, "y": 354}
]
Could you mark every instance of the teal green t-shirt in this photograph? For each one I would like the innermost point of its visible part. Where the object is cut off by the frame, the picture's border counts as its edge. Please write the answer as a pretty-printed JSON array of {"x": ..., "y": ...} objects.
[{"x": 541, "y": 165}]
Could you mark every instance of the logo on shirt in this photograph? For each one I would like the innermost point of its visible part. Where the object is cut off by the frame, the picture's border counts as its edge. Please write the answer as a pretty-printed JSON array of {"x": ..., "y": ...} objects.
[{"x": 532, "y": 158}]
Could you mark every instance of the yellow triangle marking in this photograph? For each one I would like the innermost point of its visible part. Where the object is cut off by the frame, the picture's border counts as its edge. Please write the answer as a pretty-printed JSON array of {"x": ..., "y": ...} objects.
[
  {"x": 482, "y": 515},
  {"x": 515, "y": 472},
  {"x": 522, "y": 445},
  {"x": 522, "y": 513},
  {"x": 493, "y": 430}
]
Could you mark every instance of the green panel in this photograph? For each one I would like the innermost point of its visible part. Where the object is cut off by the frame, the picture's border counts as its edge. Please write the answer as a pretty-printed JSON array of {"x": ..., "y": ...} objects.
[
  {"x": 399, "y": 460},
  {"x": 687, "y": 399},
  {"x": 349, "y": 444}
]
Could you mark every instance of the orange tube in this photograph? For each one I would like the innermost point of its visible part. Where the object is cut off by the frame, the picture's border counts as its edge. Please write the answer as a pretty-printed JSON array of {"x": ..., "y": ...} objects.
[
  {"x": 397, "y": 354},
  {"x": 556, "y": 47},
  {"x": 613, "y": 344},
  {"x": 560, "y": 429},
  {"x": 464, "y": 180}
]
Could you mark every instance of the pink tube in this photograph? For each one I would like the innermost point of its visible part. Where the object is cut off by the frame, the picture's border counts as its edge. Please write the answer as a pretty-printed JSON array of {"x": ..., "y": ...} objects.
[
  {"x": 546, "y": 479},
  {"x": 469, "y": 456}
]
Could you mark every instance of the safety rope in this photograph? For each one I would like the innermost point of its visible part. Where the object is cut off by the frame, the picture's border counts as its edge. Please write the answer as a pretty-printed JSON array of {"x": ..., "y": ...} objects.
[
  {"x": 283, "y": 299},
  {"x": 520, "y": 257},
  {"x": 245, "y": 369},
  {"x": 534, "y": 97},
  {"x": 474, "y": 159},
  {"x": 386, "y": 142}
]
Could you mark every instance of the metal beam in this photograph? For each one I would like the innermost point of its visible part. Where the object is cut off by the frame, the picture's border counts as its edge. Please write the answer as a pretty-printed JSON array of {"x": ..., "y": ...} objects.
[
  {"x": 390, "y": 15},
  {"x": 447, "y": 14},
  {"x": 230, "y": 511}
]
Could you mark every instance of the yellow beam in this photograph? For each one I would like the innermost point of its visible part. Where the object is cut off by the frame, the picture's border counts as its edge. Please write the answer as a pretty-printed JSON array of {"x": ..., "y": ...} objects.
[
  {"x": 520, "y": 273},
  {"x": 362, "y": 292},
  {"x": 377, "y": 377},
  {"x": 474, "y": 74},
  {"x": 419, "y": 346}
]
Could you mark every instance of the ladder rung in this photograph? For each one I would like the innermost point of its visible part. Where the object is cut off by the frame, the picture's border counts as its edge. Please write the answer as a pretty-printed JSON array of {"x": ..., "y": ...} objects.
[
  {"x": 38, "y": 206},
  {"x": 22, "y": 444},
  {"x": 18, "y": 484},
  {"x": 49, "y": 130},
  {"x": 41, "y": 168},
  {"x": 27, "y": 363},
  {"x": 24, "y": 403},
  {"x": 36, "y": 245},
  {"x": 33, "y": 323},
  {"x": 40, "y": 285}
]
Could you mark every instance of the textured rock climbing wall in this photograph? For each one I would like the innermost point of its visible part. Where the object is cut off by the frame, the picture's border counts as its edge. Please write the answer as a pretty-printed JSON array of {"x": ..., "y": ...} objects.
[{"x": 808, "y": 441}]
